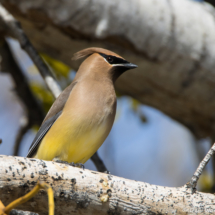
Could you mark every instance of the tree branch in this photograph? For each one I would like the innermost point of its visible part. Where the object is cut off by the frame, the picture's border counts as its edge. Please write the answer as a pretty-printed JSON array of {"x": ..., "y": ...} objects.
[
  {"x": 80, "y": 191},
  {"x": 14, "y": 28},
  {"x": 193, "y": 182}
]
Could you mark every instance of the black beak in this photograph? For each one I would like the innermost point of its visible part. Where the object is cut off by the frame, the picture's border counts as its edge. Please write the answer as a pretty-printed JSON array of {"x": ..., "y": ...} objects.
[{"x": 130, "y": 65}]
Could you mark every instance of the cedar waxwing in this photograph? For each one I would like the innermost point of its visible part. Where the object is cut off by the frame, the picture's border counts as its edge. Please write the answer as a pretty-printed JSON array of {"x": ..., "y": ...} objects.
[{"x": 82, "y": 116}]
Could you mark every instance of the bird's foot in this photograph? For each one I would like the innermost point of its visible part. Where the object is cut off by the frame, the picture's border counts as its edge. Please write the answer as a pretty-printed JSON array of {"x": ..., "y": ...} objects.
[
  {"x": 80, "y": 165},
  {"x": 60, "y": 161}
]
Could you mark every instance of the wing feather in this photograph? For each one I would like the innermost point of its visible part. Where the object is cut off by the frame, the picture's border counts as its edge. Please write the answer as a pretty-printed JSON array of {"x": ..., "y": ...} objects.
[
  {"x": 54, "y": 112},
  {"x": 41, "y": 133}
]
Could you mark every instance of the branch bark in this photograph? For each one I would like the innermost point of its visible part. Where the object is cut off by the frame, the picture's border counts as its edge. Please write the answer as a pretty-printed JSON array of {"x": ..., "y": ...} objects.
[
  {"x": 171, "y": 44},
  {"x": 80, "y": 191}
]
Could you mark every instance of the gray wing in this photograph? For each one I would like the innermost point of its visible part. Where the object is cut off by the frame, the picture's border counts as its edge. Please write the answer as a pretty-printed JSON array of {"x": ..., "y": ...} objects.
[
  {"x": 41, "y": 133},
  {"x": 54, "y": 112}
]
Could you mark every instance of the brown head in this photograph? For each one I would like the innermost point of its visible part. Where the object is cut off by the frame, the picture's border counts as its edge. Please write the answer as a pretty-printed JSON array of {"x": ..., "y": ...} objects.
[{"x": 102, "y": 62}]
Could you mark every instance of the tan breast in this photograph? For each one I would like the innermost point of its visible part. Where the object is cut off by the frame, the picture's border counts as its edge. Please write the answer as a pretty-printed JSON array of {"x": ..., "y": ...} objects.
[{"x": 92, "y": 102}]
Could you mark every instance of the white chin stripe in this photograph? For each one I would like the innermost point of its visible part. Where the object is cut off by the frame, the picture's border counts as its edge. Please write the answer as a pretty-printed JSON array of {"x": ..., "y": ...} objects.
[{"x": 117, "y": 64}]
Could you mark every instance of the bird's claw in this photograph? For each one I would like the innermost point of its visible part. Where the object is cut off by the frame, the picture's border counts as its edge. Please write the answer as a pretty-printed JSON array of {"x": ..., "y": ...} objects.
[
  {"x": 77, "y": 165},
  {"x": 60, "y": 161},
  {"x": 71, "y": 164}
]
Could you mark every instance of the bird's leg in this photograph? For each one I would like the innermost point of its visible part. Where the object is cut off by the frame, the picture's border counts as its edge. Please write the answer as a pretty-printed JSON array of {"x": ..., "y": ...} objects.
[{"x": 81, "y": 165}]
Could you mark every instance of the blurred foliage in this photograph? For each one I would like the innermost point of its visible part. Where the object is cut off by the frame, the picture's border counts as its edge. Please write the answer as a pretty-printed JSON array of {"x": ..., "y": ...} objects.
[
  {"x": 118, "y": 94},
  {"x": 44, "y": 96},
  {"x": 62, "y": 73},
  {"x": 206, "y": 182},
  {"x": 59, "y": 68},
  {"x": 135, "y": 106}
]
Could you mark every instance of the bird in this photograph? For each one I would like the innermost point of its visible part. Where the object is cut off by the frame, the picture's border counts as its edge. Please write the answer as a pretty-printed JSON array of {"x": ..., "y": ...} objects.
[{"x": 82, "y": 116}]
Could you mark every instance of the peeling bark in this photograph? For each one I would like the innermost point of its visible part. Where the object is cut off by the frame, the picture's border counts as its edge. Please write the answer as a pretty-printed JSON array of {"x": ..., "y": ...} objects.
[
  {"x": 172, "y": 45},
  {"x": 80, "y": 191}
]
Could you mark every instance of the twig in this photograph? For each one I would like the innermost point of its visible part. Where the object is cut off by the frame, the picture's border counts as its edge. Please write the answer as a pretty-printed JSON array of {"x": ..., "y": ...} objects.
[
  {"x": 193, "y": 182},
  {"x": 14, "y": 28},
  {"x": 50, "y": 197},
  {"x": 98, "y": 163}
]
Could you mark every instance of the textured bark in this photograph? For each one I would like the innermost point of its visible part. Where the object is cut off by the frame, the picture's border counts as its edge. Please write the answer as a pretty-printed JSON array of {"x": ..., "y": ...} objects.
[
  {"x": 171, "y": 41},
  {"x": 80, "y": 191}
]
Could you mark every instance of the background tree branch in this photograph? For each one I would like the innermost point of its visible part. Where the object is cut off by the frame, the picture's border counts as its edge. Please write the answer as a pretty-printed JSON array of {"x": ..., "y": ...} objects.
[
  {"x": 34, "y": 113},
  {"x": 14, "y": 29}
]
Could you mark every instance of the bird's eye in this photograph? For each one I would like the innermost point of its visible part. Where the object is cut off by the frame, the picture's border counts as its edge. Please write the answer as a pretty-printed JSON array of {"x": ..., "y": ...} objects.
[{"x": 110, "y": 59}]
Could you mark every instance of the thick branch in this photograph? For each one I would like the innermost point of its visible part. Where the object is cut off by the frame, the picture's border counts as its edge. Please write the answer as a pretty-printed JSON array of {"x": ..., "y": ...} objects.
[{"x": 80, "y": 191}]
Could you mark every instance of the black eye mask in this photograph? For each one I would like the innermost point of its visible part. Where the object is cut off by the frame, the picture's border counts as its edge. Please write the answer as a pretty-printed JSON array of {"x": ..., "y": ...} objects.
[{"x": 113, "y": 60}]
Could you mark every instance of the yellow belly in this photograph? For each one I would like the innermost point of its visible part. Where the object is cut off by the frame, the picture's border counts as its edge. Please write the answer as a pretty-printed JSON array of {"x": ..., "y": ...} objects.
[{"x": 72, "y": 141}]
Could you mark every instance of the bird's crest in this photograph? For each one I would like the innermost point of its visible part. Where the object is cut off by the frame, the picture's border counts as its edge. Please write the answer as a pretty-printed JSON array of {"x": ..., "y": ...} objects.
[{"x": 89, "y": 51}]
